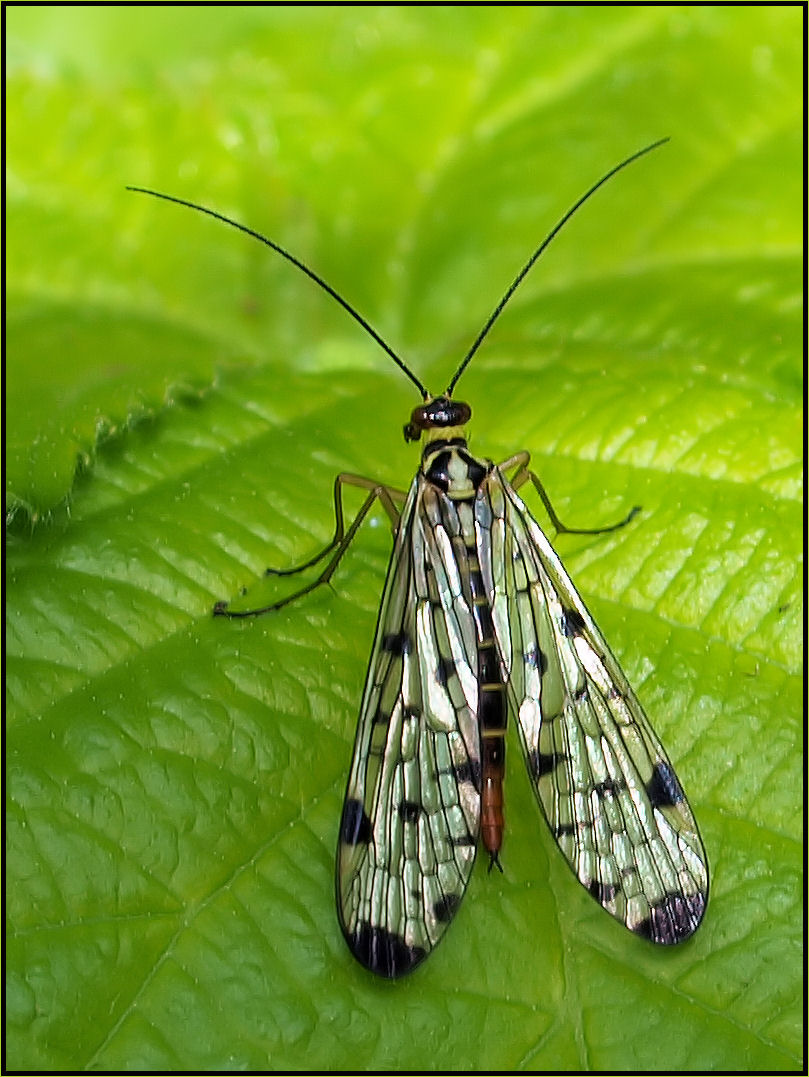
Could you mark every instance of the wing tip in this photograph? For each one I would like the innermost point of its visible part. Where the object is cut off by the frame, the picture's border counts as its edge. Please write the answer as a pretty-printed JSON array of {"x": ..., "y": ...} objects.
[
  {"x": 382, "y": 952},
  {"x": 673, "y": 919}
]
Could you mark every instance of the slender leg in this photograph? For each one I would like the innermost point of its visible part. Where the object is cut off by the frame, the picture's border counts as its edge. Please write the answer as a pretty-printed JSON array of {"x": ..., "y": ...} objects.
[
  {"x": 523, "y": 474},
  {"x": 387, "y": 497}
]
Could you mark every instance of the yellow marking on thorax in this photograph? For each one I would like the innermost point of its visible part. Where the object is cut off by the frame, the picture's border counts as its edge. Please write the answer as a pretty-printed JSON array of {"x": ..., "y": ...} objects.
[{"x": 444, "y": 433}]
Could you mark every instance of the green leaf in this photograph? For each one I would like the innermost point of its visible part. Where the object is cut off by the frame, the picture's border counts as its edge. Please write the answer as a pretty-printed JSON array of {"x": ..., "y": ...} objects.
[{"x": 179, "y": 400}]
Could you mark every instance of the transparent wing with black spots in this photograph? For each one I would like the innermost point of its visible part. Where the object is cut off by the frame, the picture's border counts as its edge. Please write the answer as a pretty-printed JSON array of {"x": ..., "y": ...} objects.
[
  {"x": 410, "y": 820},
  {"x": 605, "y": 784}
]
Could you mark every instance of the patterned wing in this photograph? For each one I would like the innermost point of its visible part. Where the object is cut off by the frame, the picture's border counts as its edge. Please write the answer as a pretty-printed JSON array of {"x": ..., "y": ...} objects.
[
  {"x": 602, "y": 778},
  {"x": 411, "y": 815}
]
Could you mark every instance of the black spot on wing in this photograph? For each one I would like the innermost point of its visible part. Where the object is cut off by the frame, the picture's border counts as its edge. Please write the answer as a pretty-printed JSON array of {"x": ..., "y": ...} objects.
[
  {"x": 398, "y": 643},
  {"x": 563, "y": 829},
  {"x": 604, "y": 893},
  {"x": 673, "y": 919},
  {"x": 609, "y": 787},
  {"x": 355, "y": 826},
  {"x": 542, "y": 763},
  {"x": 464, "y": 840},
  {"x": 445, "y": 908},
  {"x": 409, "y": 810},
  {"x": 572, "y": 623},
  {"x": 444, "y": 670},
  {"x": 663, "y": 787},
  {"x": 468, "y": 772},
  {"x": 383, "y": 952}
]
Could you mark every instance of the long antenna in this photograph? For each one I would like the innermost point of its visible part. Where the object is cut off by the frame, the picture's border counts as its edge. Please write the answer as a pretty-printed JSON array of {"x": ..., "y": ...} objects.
[
  {"x": 304, "y": 268},
  {"x": 498, "y": 310}
]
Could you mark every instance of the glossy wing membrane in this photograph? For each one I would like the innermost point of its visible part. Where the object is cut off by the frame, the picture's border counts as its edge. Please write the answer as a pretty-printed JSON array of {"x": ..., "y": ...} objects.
[
  {"x": 411, "y": 814},
  {"x": 602, "y": 778}
]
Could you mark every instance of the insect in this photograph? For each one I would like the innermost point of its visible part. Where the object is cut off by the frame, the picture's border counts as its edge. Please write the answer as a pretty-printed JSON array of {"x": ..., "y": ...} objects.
[{"x": 480, "y": 622}]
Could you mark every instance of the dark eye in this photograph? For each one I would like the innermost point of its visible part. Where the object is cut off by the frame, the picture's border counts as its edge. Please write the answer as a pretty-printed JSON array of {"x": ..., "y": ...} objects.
[{"x": 436, "y": 414}]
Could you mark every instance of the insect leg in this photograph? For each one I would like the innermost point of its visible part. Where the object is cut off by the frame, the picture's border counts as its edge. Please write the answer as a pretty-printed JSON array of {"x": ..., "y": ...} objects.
[
  {"x": 523, "y": 474},
  {"x": 387, "y": 497}
]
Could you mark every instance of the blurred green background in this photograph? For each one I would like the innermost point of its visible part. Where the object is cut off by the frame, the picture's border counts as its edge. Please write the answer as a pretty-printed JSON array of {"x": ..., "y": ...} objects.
[{"x": 178, "y": 401}]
